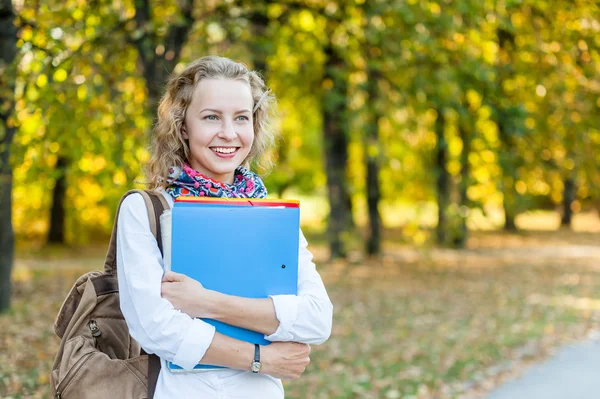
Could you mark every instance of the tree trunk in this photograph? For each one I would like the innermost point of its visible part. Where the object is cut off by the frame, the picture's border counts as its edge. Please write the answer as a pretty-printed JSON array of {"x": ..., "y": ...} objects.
[
  {"x": 570, "y": 187},
  {"x": 8, "y": 53},
  {"x": 373, "y": 156},
  {"x": 156, "y": 68},
  {"x": 6, "y": 238},
  {"x": 509, "y": 177},
  {"x": 569, "y": 196},
  {"x": 56, "y": 234},
  {"x": 260, "y": 47},
  {"x": 509, "y": 204},
  {"x": 336, "y": 150},
  {"x": 373, "y": 198},
  {"x": 259, "y": 21},
  {"x": 443, "y": 179},
  {"x": 506, "y": 42},
  {"x": 465, "y": 171}
]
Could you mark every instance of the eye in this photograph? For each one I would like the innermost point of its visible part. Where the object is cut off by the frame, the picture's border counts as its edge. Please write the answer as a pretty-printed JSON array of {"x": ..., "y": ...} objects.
[
  {"x": 211, "y": 117},
  {"x": 242, "y": 118}
]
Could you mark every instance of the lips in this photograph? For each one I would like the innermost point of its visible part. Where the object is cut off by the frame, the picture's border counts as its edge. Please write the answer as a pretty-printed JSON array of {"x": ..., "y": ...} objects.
[{"x": 225, "y": 152}]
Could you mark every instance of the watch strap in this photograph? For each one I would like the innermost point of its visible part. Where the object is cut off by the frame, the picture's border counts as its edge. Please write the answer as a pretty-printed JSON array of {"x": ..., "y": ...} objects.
[{"x": 256, "y": 353}]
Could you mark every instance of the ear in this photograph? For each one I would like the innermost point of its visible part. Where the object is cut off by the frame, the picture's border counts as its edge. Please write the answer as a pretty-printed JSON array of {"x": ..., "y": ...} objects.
[{"x": 184, "y": 132}]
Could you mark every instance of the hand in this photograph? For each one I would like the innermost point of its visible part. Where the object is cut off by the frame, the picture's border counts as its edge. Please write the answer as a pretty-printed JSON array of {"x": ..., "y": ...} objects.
[
  {"x": 188, "y": 295},
  {"x": 285, "y": 360}
]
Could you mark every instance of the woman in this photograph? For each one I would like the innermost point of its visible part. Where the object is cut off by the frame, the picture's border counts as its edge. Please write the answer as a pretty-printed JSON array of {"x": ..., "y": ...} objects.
[{"x": 213, "y": 122}]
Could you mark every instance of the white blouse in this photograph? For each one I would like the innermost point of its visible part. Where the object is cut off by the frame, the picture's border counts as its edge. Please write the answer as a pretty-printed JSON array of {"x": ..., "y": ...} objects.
[{"x": 174, "y": 336}]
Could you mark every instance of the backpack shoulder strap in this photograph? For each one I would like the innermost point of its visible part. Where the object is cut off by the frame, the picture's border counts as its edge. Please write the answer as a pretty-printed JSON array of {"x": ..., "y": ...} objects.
[
  {"x": 155, "y": 205},
  {"x": 159, "y": 204}
]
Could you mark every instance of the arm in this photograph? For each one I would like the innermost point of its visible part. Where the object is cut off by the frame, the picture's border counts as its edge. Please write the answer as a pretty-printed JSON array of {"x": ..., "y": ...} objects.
[
  {"x": 274, "y": 316},
  {"x": 229, "y": 352},
  {"x": 189, "y": 296},
  {"x": 152, "y": 320},
  {"x": 256, "y": 314},
  {"x": 305, "y": 317},
  {"x": 286, "y": 360},
  {"x": 172, "y": 335}
]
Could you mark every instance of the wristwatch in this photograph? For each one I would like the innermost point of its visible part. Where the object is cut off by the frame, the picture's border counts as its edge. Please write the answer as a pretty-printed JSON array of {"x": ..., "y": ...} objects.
[{"x": 255, "y": 366}]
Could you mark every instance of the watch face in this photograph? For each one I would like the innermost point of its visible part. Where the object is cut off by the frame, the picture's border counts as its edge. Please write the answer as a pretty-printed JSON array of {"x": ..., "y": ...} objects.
[{"x": 255, "y": 367}]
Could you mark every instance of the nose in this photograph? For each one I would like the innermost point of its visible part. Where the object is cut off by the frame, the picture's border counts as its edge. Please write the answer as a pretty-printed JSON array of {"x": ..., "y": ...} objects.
[{"x": 227, "y": 130}]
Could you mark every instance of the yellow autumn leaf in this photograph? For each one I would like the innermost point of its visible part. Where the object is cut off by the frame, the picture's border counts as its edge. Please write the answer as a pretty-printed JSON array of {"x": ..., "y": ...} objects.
[{"x": 60, "y": 75}]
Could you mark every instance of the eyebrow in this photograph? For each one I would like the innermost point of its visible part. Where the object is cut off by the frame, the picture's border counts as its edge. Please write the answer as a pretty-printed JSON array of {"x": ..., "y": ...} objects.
[{"x": 219, "y": 112}]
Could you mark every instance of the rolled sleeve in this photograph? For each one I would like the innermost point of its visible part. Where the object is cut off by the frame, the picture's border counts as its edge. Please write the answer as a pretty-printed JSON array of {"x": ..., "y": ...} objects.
[
  {"x": 286, "y": 310},
  {"x": 152, "y": 320},
  {"x": 306, "y": 317},
  {"x": 192, "y": 349}
]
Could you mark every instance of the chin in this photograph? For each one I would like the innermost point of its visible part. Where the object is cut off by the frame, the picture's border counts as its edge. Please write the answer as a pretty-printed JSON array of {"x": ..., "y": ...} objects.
[{"x": 223, "y": 171}]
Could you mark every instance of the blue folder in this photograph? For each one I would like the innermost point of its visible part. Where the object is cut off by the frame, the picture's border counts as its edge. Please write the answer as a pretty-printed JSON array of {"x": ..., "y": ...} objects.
[{"x": 246, "y": 248}]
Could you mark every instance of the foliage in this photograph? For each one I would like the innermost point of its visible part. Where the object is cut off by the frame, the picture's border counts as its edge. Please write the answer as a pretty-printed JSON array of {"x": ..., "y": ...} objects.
[{"x": 81, "y": 95}]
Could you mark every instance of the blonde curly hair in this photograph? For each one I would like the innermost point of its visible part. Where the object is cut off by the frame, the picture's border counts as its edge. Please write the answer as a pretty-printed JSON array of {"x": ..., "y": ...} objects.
[{"x": 168, "y": 148}]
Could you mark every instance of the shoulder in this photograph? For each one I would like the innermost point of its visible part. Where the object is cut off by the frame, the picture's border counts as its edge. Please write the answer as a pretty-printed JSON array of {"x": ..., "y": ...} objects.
[
  {"x": 133, "y": 202},
  {"x": 133, "y": 209},
  {"x": 133, "y": 212}
]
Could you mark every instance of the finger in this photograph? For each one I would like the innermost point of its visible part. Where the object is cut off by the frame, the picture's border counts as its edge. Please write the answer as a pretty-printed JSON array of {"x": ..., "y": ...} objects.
[
  {"x": 305, "y": 350},
  {"x": 172, "y": 277},
  {"x": 164, "y": 288}
]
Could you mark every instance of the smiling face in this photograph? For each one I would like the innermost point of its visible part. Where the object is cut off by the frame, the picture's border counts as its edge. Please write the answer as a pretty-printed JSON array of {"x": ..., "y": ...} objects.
[{"x": 219, "y": 127}]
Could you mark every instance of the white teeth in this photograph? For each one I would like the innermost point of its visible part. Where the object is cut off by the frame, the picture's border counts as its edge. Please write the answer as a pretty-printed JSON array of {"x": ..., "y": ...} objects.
[{"x": 224, "y": 150}]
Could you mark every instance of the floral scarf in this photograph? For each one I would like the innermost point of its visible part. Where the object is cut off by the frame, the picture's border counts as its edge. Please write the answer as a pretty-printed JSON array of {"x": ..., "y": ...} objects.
[{"x": 191, "y": 183}]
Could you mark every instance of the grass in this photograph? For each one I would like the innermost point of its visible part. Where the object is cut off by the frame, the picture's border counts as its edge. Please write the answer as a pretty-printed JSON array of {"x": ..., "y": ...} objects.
[
  {"x": 433, "y": 329},
  {"x": 413, "y": 323}
]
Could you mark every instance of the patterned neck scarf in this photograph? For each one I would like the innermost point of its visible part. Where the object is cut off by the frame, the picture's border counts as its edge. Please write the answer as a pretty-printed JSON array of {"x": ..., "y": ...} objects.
[{"x": 191, "y": 183}]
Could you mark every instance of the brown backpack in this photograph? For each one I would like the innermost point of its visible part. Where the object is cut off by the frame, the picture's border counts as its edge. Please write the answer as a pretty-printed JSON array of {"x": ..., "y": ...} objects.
[{"x": 97, "y": 358}]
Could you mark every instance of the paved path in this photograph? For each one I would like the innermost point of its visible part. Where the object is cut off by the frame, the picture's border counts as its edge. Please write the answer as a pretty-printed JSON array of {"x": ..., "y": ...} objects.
[{"x": 573, "y": 373}]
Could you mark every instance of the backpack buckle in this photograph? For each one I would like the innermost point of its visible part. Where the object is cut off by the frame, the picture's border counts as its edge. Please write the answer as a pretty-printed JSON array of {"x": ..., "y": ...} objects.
[{"x": 94, "y": 329}]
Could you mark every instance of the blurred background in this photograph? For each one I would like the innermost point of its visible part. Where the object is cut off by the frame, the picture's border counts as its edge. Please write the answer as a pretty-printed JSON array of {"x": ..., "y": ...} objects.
[{"x": 445, "y": 153}]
